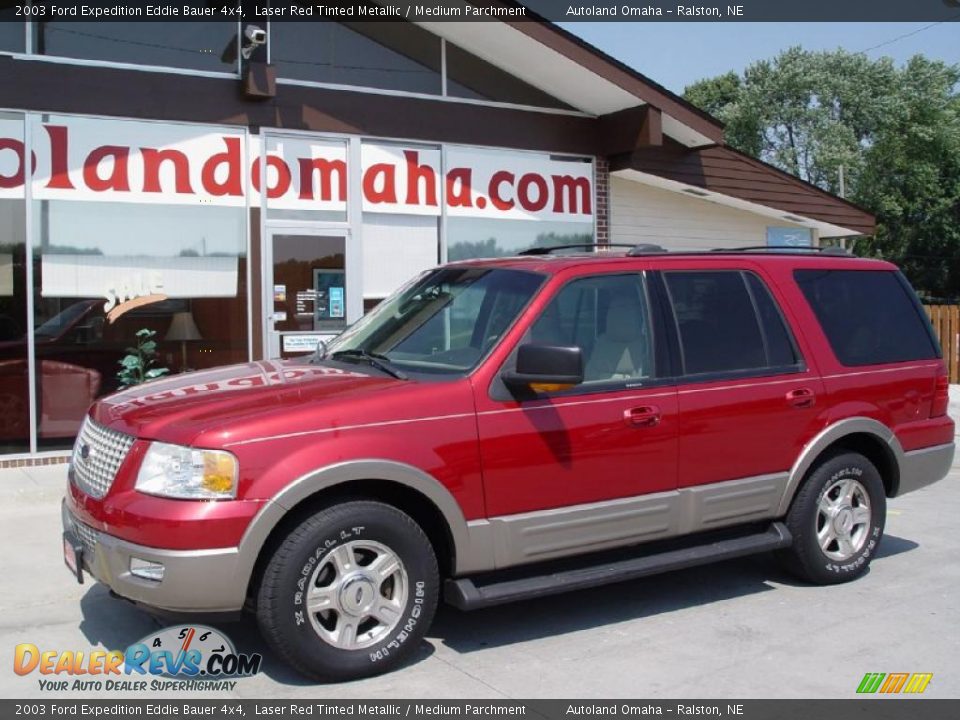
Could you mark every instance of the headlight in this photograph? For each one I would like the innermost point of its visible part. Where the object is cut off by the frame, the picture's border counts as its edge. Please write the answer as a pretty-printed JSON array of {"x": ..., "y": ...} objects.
[{"x": 182, "y": 472}]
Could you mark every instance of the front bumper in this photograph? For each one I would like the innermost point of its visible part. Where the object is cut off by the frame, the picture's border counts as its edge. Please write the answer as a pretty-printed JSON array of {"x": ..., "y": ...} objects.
[
  {"x": 926, "y": 466},
  {"x": 194, "y": 581}
]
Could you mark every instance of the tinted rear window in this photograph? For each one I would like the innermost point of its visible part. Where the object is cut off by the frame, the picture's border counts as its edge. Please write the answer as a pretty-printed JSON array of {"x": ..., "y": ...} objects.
[{"x": 869, "y": 316}]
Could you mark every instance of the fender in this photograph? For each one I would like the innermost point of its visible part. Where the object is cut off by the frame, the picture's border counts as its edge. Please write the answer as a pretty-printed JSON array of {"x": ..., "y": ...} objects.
[
  {"x": 828, "y": 436},
  {"x": 469, "y": 555}
]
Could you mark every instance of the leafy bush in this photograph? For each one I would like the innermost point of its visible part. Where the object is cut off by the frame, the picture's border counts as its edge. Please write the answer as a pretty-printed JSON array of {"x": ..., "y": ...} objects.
[{"x": 138, "y": 366}]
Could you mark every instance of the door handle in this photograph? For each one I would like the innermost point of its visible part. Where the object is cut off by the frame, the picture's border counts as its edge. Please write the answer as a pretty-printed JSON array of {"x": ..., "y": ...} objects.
[
  {"x": 643, "y": 416},
  {"x": 802, "y": 398}
]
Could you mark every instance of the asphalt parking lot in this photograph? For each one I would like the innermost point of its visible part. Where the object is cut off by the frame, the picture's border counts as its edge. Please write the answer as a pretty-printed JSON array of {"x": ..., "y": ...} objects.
[{"x": 740, "y": 629}]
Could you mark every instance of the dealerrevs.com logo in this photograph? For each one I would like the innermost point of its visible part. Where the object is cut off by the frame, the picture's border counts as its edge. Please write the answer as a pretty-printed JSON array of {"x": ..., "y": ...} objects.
[{"x": 183, "y": 657}]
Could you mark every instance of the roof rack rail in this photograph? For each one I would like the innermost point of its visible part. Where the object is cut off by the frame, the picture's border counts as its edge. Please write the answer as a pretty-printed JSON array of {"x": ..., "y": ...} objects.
[
  {"x": 798, "y": 249},
  {"x": 549, "y": 250},
  {"x": 645, "y": 249}
]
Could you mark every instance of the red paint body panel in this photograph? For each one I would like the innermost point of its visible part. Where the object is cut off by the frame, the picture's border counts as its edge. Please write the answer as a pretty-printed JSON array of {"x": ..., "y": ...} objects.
[
  {"x": 546, "y": 454},
  {"x": 284, "y": 420},
  {"x": 736, "y": 429}
]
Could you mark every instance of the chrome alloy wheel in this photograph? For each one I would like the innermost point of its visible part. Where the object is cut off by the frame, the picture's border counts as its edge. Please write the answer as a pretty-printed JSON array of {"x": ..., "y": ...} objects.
[
  {"x": 843, "y": 519},
  {"x": 357, "y": 594}
]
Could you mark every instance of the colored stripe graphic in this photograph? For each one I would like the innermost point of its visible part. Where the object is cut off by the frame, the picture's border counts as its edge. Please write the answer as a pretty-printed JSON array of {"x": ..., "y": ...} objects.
[
  {"x": 918, "y": 682},
  {"x": 894, "y": 682},
  {"x": 870, "y": 682}
]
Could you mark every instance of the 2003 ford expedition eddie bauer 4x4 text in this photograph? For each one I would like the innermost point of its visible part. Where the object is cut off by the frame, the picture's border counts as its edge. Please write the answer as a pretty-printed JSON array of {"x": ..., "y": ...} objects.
[{"x": 512, "y": 428}]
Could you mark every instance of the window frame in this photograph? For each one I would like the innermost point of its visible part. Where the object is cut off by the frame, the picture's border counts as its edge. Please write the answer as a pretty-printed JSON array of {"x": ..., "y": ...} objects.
[
  {"x": 31, "y": 54},
  {"x": 680, "y": 375},
  {"x": 661, "y": 354}
]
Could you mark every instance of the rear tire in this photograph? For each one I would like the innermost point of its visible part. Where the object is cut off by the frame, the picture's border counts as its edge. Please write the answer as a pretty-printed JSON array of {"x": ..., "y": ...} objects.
[
  {"x": 350, "y": 592},
  {"x": 837, "y": 520}
]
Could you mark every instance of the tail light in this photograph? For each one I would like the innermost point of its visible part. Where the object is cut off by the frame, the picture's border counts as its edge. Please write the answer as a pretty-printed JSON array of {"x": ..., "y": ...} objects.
[{"x": 941, "y": 395}]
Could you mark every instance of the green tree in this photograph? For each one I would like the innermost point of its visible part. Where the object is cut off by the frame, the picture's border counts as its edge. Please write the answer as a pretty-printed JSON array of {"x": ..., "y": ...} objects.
[
  {"x": 466, "y": 250},
  {"x": 911, "y": 179},
  {"x": 894, "y": 131}
]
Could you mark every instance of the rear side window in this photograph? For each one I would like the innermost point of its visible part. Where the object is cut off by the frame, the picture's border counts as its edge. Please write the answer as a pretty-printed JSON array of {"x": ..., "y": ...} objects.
[
  {"x": 781, "y": 350},
  {"x": 869, "y": 316},
  {"x": 727, "y": 322}
]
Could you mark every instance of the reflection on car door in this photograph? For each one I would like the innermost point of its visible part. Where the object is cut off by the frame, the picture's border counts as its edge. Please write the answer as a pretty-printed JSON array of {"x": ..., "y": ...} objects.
[{"x": 614, "y": 436}]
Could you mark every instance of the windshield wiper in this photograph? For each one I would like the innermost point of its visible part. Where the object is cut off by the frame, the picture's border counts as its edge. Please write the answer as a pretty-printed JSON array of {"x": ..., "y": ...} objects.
[{"x": 381, "y": 362}]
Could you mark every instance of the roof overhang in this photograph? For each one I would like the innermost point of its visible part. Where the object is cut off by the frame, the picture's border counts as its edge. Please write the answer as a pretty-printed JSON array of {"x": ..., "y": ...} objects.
[
  {"x": 564, "y": 66},
  {"x": 543, "y": 67},
  {"x": 729, "y": 177},
  {"x": 824, "y": 229}
]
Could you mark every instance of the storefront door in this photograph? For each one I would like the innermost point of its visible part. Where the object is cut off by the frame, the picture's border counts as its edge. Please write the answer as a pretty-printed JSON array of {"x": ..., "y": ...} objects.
[{"x": 305, "y": 289}]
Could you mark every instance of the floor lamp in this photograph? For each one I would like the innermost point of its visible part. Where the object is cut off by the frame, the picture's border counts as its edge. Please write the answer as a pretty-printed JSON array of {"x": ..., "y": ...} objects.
[{"x": 183, "y": 329}]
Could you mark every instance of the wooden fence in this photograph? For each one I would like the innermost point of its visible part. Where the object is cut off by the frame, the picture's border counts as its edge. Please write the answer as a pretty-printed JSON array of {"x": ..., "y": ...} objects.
[{"x": 946, "y": 323}]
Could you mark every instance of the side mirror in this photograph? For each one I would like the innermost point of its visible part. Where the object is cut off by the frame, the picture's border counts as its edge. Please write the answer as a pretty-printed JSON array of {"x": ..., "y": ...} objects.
[{"x": 545, "y": 368}]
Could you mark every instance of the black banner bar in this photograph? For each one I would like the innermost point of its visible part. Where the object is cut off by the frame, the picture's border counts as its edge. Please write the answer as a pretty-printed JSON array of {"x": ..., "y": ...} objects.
[
  {"x": 880, "y": 708},
  {"x": 482, "y": 10}
]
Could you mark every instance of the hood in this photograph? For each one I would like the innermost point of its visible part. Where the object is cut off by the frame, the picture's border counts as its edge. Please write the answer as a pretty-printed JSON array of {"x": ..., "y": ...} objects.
[{"x": 179, "y": 408}]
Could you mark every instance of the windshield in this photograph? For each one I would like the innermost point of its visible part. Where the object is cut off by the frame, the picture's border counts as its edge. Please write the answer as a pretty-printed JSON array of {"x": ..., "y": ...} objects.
[
  {"x": 64, "y": 319},
  {"x": 444, "y": 322}
]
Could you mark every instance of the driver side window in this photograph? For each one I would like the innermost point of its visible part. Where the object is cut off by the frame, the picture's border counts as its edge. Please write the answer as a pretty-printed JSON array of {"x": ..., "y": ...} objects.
[{"x": 607, "y": 317}]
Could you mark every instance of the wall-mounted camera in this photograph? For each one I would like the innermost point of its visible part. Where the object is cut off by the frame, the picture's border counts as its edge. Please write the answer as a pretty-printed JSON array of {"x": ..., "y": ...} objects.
[{"x": 253, "y": 37}]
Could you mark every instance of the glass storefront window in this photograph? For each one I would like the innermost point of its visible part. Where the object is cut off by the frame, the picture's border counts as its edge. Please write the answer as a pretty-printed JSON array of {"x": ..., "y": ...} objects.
[
  {"x": 401, "y": 215},
  {"x": 386, "y": 55},
  {"x": 104, "y": 271},
  {"x": 309, "y": 276},
  {"x": 148, "y": 232},
  {"x": 470, "y": 238},
  {"x": 190, "y": 45},
  {"x": 395, "y": 249},
  {"x": 14, "y": 385},
  {"x": 305, "y": 178},
  {"x": 13, "y": 32}
]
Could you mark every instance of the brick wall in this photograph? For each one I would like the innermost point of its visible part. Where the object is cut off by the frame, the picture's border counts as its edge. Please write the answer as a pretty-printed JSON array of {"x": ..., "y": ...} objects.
[
  {"x": 603, "y": 200},
  {"x": 33, "y": 461}
]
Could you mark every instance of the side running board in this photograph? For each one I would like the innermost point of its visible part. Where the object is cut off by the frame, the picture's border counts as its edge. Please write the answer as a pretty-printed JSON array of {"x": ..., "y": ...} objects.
[{"x": 464, "y": 594}]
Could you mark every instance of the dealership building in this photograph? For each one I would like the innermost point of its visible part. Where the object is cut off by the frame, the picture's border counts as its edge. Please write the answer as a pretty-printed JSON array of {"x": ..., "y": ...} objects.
[{"x": 243, "y": 192}]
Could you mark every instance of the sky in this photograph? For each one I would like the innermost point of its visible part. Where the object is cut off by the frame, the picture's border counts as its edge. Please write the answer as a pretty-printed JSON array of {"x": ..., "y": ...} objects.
[{"x": 678, "y": 54}]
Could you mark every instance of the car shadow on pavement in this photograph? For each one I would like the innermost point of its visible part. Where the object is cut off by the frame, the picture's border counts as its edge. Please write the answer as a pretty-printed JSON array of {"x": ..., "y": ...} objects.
[
  {"x": 247, "y": 639},
  {"x": 607, "y": 605},
  {"x": 112, "y": 622},
  {"x": 631, "y": 600},
  {"x": 892, "y": 545},
  {"x": 116, "y": 624}
]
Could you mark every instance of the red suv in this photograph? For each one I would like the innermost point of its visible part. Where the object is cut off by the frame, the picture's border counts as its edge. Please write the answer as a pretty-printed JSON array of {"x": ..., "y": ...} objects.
[{"x": 512, "y": 428}]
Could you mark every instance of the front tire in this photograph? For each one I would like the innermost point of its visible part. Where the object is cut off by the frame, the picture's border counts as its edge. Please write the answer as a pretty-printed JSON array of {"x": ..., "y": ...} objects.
[
  {"x": 350, "y": 592},
  {"x": 837, "y": 520}
]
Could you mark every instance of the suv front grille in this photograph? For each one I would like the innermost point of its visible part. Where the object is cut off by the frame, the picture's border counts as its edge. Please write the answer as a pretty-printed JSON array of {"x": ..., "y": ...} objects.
[
  {"x": 88, "y": 538},
  {"x": 97, "y": 455}
]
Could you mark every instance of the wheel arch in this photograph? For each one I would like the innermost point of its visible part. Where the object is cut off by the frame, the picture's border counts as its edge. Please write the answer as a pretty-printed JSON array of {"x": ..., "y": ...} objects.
[
  {"x": 867, "y": 436},
  {"x": 407, "y": 488}
]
